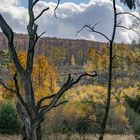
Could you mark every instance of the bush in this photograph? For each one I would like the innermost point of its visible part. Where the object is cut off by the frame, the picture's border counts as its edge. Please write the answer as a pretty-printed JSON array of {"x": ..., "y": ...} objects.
[
  {"x": 9, "y": 122},
  {"x": 83, "y": 126},
  {"x": 136, "y": 125},
  {"x": 65, "y": 127},
  {"x": 133, "y": 120}
]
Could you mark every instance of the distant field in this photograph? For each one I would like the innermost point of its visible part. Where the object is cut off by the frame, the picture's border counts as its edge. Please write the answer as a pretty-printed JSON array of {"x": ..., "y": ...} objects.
[{"x": 75, "y": 137}]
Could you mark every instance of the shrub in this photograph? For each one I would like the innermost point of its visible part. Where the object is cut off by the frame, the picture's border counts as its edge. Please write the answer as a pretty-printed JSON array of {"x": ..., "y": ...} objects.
[
  {"x": 133, "y": 120},
  {"x": 9, "y": 122},
  {"x": 65, "y": 127}
]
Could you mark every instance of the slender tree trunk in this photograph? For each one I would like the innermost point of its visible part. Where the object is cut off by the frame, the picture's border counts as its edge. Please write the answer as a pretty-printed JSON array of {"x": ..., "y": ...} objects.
[
  {"x": 104, "y": 122},
  {"x": 108, "y": 101}
]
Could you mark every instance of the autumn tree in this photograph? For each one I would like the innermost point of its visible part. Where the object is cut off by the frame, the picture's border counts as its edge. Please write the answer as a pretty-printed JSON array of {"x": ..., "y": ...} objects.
[
  {"x": 72, "y": 60},
  {"x": 134, "y": 102},
  {"x": 30, "y": 112},
  {"x": 97, "y": 60},
  {"x": 88, "y": 104},
  {"x": 56, "y": 55},
  {"x": 44, "y": 84}
]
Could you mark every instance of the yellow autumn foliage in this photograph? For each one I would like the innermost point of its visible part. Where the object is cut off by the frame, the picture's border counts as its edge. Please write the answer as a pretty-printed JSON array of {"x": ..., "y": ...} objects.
[
  {"x": 83, "y": 98},
  {"x": 44, "y": 77},
  {"x": 1, "y": 99},
  {"x": 120, "y": 111},
  {"x": 97, "y": 60}
]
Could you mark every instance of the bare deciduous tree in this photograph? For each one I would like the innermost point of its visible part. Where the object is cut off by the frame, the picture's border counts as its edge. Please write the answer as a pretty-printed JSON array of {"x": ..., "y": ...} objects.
[
  {"x": 30, "y": 112},
  {"x": 131, "y": 4}
]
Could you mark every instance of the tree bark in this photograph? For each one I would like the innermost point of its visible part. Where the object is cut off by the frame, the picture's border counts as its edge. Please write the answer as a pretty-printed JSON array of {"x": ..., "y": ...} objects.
[
  {"x": 31, "y": 129},
  {"x": 35, "y": 133}
]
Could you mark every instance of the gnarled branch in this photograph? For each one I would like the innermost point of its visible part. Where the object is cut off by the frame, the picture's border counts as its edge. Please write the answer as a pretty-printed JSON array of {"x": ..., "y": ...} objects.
[
  {"x": 92, "y": 29},
  {"x": 6, "y": 29},
  {"x": 58, "y": 2},
  {"x": 35, "y": 2},
  {"x": 127, "y": 13},
  {"x": 63, "y": 102},
  {"x": 126, "y": 28},
  {"x": 38, "y": 37},
  {"x": 43, "y": 99},
  {"x": 19, "y": 97},
  {"x": 45, "y": 106},
  {"x": 7, "y": 88},
  {"x": 69, "y": 83},
  {"x": 41, "y": 13}
]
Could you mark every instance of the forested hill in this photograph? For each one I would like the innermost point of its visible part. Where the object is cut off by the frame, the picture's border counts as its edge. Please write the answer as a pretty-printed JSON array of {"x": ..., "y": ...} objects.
[{"x": 58, "y": 50}]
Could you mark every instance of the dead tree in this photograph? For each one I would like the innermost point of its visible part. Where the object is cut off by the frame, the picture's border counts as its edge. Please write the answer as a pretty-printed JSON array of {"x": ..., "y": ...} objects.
[
  {"x": 111, "y": 57},
  {"x": 30, "y": 112}
]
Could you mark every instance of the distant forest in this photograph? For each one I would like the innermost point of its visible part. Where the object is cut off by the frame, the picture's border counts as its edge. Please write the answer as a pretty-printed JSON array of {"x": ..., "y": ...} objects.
[{"x": 57, "y": 50}]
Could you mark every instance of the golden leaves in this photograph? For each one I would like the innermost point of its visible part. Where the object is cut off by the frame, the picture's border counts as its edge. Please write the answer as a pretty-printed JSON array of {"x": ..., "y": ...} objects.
[{"x": 44, "y": 77}]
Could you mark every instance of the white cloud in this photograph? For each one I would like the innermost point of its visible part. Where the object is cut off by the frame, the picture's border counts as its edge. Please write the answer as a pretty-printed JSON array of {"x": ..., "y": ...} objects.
[
  {"x": 70, "y": 18},
  {"x": 15, "y": 15},
  {"x": 10, "y": 2}
]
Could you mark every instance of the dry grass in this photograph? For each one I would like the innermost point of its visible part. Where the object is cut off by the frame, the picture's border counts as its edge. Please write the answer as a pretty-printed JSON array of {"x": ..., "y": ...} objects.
[
  {"x": 75, "y": 137},
  {"x": 9, "y": 137}
]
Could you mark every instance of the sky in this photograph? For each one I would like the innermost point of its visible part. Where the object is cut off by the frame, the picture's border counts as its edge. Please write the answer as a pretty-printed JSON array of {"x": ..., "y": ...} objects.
[
  {"x": 24, "y": 2},
  {"x": 72, "y": 15}
]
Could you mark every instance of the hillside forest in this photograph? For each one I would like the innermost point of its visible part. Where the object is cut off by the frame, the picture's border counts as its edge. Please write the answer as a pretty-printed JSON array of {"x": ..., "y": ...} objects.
[{"x": 85, "y": 103}]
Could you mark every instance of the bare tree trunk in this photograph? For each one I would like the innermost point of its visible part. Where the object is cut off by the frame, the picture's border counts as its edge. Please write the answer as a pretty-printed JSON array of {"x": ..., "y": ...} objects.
[
  {"x": 31, "y": 129},
  {"x": 39, "y": 132},
  {"x": 104, "y": 122},
  {"x": 32, "y": 132},
  {"x": 33, "y": 135},
  {"x": 108, "y": 101}
]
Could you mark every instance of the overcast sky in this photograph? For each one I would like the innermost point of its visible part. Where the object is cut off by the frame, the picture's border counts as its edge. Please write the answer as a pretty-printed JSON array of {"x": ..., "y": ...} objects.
[{"x": 72, "y": 15}]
